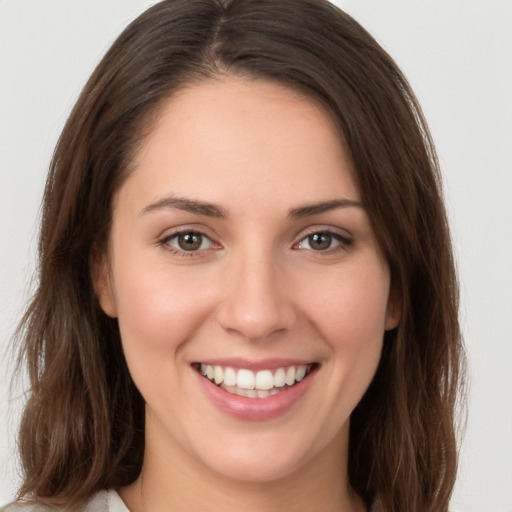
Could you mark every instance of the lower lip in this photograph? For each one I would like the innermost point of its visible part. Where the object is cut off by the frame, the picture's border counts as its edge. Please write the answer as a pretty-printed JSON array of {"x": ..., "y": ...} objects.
[{"x": 255, "y": 409}]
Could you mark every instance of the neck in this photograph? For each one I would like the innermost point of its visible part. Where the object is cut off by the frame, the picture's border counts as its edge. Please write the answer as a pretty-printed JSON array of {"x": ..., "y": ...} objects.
[{"x": 291, "y": 494}]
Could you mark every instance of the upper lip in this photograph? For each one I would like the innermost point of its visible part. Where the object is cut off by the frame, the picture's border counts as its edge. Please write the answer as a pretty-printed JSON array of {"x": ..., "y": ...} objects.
[{"x": 254, "y": 365}]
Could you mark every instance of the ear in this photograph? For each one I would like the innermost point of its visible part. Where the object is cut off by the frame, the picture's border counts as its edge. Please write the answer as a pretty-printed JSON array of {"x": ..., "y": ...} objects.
[
  {"x": 101, "y": 281},
  {"x": 394, "y": 309}
]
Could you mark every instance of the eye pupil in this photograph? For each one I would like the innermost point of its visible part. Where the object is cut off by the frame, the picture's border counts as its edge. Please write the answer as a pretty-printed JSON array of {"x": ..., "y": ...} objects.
[
  {"x": 190, "y": 241},
  {"x": 320, "y": 241}
]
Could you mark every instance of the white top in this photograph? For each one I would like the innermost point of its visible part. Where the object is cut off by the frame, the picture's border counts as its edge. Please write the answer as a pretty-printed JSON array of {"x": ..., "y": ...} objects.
[{"x": 103, "y": 501}]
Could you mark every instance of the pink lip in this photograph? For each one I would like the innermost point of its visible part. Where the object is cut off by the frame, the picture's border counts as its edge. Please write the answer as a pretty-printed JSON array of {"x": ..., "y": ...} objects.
[
  {"x": 255, "y": 409},
  {"x": 263, "y": 364}
]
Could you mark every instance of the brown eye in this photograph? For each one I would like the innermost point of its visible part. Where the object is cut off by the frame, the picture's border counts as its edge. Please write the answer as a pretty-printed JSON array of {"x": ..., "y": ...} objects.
[
  {"x": 323, "y": 241},
  {"x": 188, "y": 241},
  {"x": 320, "y": 241}
]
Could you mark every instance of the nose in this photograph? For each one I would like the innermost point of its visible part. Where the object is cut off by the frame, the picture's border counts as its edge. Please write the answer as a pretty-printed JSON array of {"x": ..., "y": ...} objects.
[{"x": 255, "y": 301}]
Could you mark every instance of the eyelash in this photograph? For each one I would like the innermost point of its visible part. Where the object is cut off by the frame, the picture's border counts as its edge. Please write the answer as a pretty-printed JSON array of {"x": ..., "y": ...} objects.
[
  {"x": 343, "y": 242},
  {"x": 165, "y": 243}
]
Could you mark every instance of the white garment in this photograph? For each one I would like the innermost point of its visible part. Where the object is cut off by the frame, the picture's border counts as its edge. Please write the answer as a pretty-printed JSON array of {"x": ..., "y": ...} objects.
[{"x": 103, "y": 501}]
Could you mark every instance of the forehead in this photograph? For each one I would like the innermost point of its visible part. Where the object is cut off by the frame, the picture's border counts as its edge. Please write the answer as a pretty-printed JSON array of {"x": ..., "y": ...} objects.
[{"x": 248, "y": 134}]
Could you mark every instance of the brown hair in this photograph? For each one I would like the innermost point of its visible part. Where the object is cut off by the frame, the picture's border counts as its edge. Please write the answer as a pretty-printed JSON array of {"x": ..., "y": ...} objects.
[{"x": 83, "y": 426}]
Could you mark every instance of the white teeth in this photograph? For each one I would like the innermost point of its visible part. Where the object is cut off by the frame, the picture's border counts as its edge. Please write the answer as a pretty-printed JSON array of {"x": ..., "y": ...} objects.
[
  {"x": 218, "y": 374},
  {"x": 245, "y": 379},
  {"x": 229, "y": 377},
  {"x": 254, "y": 384},
  {"x": 250, "y": 393},
  {"x": 279, "y": 378},
  {"x": 300, "y": 373},
  {"x": 264, "y": 380},
  {"x": 290, "y": 376}
]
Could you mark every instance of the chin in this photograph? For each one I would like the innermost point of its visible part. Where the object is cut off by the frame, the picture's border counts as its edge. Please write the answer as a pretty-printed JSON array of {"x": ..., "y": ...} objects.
[
  {"x": 257, "y": 471},
  {"x": 265, "y": 457}
]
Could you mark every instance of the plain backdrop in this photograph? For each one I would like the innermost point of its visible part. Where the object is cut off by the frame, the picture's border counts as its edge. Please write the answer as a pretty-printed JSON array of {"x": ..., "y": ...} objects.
[{"x": 457, "y": 55}]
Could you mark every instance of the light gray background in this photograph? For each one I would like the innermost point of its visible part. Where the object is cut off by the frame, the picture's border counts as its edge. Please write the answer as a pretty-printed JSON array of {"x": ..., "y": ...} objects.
[{"x": 458, "y": 57}]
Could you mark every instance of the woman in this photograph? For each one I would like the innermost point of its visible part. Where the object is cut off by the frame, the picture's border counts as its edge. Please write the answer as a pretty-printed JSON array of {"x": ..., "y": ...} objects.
[{"x": 247, "y": 296}]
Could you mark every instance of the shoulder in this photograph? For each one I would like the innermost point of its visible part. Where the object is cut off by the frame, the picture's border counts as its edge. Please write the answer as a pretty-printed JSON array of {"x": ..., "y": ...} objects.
[
  {"x": 103, "y": 501},
  {"x": 21, "y": 506},
  {"x": 25, "y": 506},
  {"x": 106, "y": 501}
]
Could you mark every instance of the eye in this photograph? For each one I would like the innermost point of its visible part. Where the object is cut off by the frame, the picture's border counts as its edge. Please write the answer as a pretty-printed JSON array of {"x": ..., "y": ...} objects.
[
  {"x": 188, "y": 241},
  {"x": 323, "y": 241}
]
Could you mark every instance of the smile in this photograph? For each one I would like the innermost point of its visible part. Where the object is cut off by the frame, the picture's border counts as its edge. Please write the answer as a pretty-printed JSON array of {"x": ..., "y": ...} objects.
[{"x": 254, "y": 384}]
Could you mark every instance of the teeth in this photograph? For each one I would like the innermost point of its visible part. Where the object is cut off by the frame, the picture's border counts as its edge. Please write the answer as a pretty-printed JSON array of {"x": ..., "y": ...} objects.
[
  {"x": 254, "y": 384},
  {"x": 264, "y": 380},
  {"x": 299, "y": 375},
  {"x": 290, "y": 376},
  {"x": 218, "y": 374},
  {"x": 279, "y": 378},
  {"x": 245, "y": 379},
  {"x": 229, "y": 377}
]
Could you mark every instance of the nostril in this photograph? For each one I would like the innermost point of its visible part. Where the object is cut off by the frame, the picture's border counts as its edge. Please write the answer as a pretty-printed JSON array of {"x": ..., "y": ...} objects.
[{"x": 256, "y": 322}]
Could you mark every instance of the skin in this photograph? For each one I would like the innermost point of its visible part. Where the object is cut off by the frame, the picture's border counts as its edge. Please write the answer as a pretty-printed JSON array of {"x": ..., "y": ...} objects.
[{"x": 255, "y": 289}]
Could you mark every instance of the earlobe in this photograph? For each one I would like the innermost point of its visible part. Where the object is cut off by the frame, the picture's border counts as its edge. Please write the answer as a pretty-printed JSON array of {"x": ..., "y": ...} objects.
[
  {"x": 394, "y": 310},
  {"x": 101, "y": 281}
]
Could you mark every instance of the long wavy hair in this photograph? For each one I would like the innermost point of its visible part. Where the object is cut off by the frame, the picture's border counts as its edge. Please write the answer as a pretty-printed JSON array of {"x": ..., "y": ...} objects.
[{"x": 83, "y": 426}]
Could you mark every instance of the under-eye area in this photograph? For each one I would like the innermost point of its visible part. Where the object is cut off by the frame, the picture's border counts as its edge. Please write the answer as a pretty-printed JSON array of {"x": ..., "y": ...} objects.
[{"x": 255, "y": 384}]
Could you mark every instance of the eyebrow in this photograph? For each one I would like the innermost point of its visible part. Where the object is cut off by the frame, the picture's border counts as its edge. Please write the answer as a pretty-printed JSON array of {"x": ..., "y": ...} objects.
[
  {"x": 324, "y": 206},
  {"x": 187, "y": 205},
  {"x": 214, "y": 210}
]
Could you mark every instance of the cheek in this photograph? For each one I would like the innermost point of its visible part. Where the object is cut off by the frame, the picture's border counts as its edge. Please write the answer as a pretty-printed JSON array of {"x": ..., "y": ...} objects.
[
  {"x": 350, "y": 306},
  {"x": 349, "y": 312},
  {"x": 159, "y": 310},
  {"x": 158, "y": 305}
]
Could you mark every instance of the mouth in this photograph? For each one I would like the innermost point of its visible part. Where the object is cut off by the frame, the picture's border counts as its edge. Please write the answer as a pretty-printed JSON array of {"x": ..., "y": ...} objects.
[{"x": 255, "y": 384}]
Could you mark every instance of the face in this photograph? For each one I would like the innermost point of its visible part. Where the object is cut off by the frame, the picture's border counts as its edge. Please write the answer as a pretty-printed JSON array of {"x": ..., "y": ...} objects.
[{"x": 250, "y": 292}]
